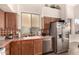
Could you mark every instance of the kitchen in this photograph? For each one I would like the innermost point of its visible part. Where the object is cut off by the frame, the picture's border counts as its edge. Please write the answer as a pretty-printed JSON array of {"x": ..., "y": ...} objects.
[{"x": 28, "y": 29}]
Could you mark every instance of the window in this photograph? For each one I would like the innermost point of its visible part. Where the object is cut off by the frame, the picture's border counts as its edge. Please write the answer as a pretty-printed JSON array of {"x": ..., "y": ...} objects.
[
  {"x": 77, "y": 26},
  {"x": 26, "y": 23},
  {"x": 35, "y": 20},
  {"x": 35, "y": 24},
  {"x": 30, "y": 23},
  {"x": 68, "y": 25}
]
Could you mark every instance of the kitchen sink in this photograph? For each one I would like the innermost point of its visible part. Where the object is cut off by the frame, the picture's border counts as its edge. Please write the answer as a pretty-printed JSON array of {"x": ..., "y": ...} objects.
[{"x": 2, "y": 37}]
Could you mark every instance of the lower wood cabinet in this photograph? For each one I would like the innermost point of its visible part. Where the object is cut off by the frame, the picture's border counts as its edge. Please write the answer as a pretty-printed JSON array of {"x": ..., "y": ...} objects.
[
  {"x": 37, "y": 47},
  {"x": 15, "y": 48},
  {"x": 25, "y": 47},
  {"x": 7, "y": 49}
]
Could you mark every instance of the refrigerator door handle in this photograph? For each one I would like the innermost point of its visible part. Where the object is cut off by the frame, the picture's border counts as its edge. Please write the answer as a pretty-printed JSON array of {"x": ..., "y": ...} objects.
[{"x": 60, "y": 35}]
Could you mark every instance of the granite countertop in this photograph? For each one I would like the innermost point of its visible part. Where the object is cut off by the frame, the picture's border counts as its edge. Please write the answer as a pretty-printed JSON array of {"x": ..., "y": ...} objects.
[{"x": 3, "y": 43}]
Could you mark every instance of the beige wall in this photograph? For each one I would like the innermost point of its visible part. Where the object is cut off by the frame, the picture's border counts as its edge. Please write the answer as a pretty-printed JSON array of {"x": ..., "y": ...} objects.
[{"x": 76, "y": 11}]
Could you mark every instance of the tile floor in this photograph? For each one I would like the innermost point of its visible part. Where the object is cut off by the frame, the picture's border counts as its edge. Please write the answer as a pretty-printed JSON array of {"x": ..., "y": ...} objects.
[{"x": 73, "y": 50}]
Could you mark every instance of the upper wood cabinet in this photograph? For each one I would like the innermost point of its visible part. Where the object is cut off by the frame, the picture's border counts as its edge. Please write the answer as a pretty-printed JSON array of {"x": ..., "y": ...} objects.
[
  {"x": 8, "y": 23},
  {"x": 46, "y": 23},
  {"x": 7, "y": 20},
  {"x": 10, "y": 20},
  {"x": 2, "y": 20}
]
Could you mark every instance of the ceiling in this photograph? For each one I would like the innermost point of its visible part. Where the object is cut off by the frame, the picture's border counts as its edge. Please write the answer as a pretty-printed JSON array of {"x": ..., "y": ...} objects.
[
  {"x": 21, "y": 7},
  {"x": 37, "y": 8},
  {"x": 24, "y": 7}
]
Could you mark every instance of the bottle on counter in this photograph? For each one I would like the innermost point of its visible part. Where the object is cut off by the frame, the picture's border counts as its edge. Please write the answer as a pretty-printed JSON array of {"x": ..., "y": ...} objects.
[
  {"x": 39, "y": 33},
  {"x": 19, "y": 34}
]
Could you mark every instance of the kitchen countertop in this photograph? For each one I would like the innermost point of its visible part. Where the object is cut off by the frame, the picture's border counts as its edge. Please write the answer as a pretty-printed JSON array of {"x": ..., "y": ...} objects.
[{"x": 3, "y": 43}]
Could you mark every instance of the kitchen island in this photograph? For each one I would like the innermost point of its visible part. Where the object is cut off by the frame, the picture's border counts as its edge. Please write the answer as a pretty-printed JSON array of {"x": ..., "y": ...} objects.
[{"x": 23, "y": 46}]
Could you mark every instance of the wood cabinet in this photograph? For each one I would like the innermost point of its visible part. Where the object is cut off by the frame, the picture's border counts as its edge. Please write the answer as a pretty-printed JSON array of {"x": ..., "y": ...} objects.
[
  {"x": 8, "y": 23},
  {"x": 7, "y": 20},
  {"x": 46, "y": 24},
  {"x": 38, "y": 46},
  {"x": 10, "y": 20},
  {"x": 54, "y": 19},
  {"x": 15, "y": 48},
  {"x": 7, "y": 49},
  {"x": 32, "y": 47},
  {"x": 2, "y": 20},
  {"x": 47, "y": 21},
  {"x": 26, "y": 47}
]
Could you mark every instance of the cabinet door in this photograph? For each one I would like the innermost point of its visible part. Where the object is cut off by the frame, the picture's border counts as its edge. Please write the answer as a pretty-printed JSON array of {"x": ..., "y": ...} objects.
[
  {"x": 27, "y": 47},
  {"x": 10, "y": 20},
  {"x": 54, "y": 19},
  {"x": 15, "y": 48},
  {"x": 2, "y": 20},
  {"x": 38, "y": 46},
  {"x": 7, "y": 49},
  {"x": 46, "y": 22},
  {"x": 46, "y": 19}
]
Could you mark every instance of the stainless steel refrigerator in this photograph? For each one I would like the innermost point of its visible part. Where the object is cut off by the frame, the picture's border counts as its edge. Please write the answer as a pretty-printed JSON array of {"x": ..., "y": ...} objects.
[{"x": 61, "y": 37}]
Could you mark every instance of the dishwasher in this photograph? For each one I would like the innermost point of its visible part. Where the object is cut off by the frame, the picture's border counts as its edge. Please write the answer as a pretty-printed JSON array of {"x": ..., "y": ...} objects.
[
  {"x": 2, "y": 51},
  {"x": 47, "y": 44}
]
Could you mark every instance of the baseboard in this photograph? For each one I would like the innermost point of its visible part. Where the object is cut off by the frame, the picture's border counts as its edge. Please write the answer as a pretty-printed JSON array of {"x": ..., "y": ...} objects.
[{"x": 48, "y": 52}]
